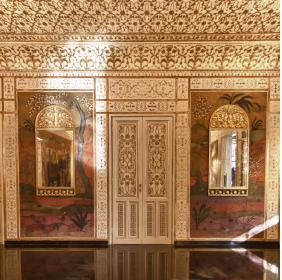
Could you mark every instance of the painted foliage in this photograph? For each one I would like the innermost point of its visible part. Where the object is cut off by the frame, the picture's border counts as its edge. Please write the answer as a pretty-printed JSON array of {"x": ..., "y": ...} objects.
[
  {"x": 43, "y": 216},
  {"x": 227, "y": 217}
]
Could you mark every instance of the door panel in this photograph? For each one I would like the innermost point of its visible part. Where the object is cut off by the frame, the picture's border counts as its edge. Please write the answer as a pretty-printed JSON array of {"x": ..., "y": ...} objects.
[
  {"x": 126, "y": 180},
  {"x": 142, "y": 180},
  {"x": 157, "y": 179}
]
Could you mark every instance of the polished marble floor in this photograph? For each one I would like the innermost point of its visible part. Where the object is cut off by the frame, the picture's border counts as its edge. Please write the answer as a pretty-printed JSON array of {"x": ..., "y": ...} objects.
[{"x": 139, "y": 262}]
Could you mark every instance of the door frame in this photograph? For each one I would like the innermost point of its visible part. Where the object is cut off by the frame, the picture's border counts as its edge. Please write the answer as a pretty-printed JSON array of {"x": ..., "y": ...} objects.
[{"x": 110, "y": 170}]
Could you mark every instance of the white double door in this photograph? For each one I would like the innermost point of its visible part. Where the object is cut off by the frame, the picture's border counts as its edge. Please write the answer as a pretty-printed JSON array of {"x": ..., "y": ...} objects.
[{"x": 142, "y": 180}]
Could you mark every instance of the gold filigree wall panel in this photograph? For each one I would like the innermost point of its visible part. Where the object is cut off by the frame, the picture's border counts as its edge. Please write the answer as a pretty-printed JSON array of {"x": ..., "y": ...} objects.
[
  {"x": 139, "y": 88},
  {"x": 148, "y": 16},
  {"x": 273, "y": 171},
  {"x": 229, "y": 116},
  {"x": 141, "y": 56}
]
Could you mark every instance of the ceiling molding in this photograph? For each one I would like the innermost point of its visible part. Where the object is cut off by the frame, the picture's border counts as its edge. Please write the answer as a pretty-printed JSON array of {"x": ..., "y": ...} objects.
[{"x": 52, "y": 17}]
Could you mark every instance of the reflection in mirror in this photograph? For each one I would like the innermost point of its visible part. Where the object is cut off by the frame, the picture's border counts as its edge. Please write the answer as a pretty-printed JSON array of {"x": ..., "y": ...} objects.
[
  {"x": 55, "y": 152},
  {"x": 229, "y": 152}
]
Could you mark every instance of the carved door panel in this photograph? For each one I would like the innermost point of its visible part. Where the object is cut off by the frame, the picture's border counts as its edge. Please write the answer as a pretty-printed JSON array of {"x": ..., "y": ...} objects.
[
  {"x": 127, "y": 177},
  {"x": 157, "y": 180},
  {"x": 142, "y": 180}
]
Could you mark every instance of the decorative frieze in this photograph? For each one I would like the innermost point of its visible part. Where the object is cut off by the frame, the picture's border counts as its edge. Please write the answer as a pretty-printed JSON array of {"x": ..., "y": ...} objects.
[
  {"x": 182, "y": 176},
  {"x": 140, "y": 56},
  {"x": 229, "y": 83},
  {"x": 101, "y": 177},
  {"x": 142, "y": 88},
  {"x": 54, "y": 83},
  {"x": 141, "y": 106}
]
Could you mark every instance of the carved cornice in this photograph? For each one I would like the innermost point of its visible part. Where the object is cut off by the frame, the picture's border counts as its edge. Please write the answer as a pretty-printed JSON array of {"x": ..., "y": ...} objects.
[
  {"x": 238, "y": 56},
  {"x": 145, "y": 16}
]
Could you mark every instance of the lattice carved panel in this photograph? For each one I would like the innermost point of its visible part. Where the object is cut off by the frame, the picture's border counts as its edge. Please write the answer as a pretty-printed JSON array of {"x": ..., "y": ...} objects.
[
  {"x": 157, "y": 159},
  {"x": 127, "y": 154},
  {"x": 142, "y": 88}
]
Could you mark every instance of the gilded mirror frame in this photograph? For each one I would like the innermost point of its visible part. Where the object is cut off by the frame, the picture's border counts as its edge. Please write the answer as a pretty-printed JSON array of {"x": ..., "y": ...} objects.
[
  {"x": 56, "y": 119},
  {"x": 229, "y": 118}
]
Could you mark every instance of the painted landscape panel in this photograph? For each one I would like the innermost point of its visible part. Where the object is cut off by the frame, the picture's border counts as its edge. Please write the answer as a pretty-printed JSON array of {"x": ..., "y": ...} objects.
[
  {"x": 43, "y": 216},
  {"x": 227, "y": 217}
]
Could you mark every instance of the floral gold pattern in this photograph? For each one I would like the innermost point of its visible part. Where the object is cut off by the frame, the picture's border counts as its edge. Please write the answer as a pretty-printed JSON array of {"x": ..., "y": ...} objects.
[
  {"x": 54, "y": 117},
  {"x": 229, "y": 116},
  {"x": 127, "y": 135},
  {"x": 145, "y": 56},
  {"x": 60, "y": 17},
  {"x": 157, "y": 159}
]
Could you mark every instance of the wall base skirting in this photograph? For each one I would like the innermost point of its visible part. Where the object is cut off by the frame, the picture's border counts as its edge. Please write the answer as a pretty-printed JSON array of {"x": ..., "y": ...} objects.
[
  {"x": 228, "y": 244},
  {"x": 56, "y": 243}
]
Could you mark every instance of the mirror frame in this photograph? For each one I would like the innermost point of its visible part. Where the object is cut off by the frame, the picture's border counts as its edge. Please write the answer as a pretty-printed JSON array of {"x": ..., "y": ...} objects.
[
  {"x": 54, "y": 118},
  {"x": 229, "y": 117}
]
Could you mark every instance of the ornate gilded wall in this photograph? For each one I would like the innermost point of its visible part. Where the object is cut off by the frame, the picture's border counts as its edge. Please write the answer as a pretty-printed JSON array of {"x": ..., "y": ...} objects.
[{"x": 156, "y": 59}]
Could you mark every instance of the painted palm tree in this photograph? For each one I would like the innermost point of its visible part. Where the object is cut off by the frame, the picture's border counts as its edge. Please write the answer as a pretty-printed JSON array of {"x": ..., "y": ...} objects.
[
  {"x": 244, "y": 101},
  {"x": 256, "y": 124}
]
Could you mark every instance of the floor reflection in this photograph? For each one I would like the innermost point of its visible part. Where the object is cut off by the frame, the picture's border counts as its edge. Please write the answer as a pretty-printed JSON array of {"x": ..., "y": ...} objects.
[{"x": 128, "y": 262}]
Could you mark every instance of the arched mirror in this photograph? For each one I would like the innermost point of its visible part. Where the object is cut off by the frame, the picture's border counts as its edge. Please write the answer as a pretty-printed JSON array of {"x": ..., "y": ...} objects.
[
  {"x": 55, "y": 152},
  {"x": 228, "y": 152}
]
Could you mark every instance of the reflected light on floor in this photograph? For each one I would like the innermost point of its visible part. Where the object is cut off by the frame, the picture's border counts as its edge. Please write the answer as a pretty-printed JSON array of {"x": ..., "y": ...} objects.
[{"x": 257, "y": 229}]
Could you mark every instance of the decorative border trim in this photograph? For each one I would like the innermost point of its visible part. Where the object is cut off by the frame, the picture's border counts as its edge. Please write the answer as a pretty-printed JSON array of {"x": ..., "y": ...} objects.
[
  {"x": 141, "y": 73},
  {"x": 101, "y": 176},
  {"x": 273, "y": 159},
  {"x": 182, "y": 146},
  {"x": 163, "y": 37},
  {"x": 2, "y": 225},
  {"x": 56, "y": 192},
  {"x": 228, "y": 192}
]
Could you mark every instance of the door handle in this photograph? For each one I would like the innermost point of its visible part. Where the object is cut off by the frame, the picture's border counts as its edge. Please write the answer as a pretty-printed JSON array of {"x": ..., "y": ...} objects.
[{"x": 140, "y": 187}]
